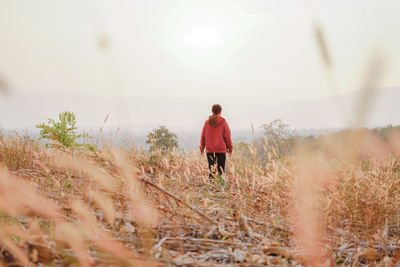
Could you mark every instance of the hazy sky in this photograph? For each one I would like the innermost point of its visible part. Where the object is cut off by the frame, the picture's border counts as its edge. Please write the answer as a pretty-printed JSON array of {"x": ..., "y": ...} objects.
[{"x": 225, "y": 50}]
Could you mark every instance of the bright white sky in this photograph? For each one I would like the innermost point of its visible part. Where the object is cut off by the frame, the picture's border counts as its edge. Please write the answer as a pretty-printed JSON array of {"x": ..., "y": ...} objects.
[{"x": 222, "y": 49}]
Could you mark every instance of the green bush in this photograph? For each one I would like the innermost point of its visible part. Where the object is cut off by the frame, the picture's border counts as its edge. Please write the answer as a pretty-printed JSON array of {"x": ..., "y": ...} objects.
[
  {"x": 162, "y": 139},
  {"x": 63, "y": 132}
]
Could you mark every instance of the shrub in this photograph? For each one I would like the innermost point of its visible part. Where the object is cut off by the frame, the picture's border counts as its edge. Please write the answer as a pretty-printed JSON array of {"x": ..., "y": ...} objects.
[
  {"x": 63, "y": 132},
  {"x": 279, "y": 138},
  {"x": 162, "y": 139}
]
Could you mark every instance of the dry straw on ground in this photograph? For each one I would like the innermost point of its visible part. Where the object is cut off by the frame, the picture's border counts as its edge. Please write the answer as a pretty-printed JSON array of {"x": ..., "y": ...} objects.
[{"x": 337, "y": 203}]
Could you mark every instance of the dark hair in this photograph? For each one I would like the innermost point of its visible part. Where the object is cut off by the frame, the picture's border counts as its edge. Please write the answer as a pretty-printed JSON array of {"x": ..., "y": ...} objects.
[{"x": 212, "y": 120}]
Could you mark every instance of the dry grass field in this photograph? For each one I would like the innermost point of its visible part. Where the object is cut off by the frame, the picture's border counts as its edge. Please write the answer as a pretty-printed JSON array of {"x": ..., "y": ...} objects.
[
  {"x": 327, "y": 201},
  {"x": 334, "y": 201}
]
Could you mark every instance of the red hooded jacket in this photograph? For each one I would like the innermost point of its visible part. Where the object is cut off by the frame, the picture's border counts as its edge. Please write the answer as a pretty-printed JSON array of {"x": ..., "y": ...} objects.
[{"x": 216, "y": 139}]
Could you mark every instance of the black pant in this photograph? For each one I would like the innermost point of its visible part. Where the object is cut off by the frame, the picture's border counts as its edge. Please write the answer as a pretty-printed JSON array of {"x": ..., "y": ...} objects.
[{"x": 216, "y": 161}]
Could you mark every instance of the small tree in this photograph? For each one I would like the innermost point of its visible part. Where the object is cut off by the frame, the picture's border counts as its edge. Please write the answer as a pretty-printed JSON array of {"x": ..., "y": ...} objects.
[
  {"x": 162, "y": 139},
  {"x": 386, "y": 131},
  {"x": 279, "y": 137},
  {"x": 63, "y": 132}
]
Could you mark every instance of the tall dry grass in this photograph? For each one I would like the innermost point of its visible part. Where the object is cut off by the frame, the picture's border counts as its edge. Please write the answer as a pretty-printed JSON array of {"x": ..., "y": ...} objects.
[{"x": 95, "y": 208}]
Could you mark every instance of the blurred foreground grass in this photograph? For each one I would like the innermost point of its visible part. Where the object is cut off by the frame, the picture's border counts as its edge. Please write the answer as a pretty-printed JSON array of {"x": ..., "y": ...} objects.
[{"x": 331, "y": 200}]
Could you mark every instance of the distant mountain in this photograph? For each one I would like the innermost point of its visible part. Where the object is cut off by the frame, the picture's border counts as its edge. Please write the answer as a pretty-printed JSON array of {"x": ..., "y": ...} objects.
[
  {"x": 28, "y": 109},
  {"x": 138, "y": 114},
  {"x": 341, "y": 111}
]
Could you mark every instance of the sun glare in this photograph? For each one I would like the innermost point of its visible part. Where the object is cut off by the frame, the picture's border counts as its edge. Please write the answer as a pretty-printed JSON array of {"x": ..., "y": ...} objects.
[{"x": 202, "y": 36}]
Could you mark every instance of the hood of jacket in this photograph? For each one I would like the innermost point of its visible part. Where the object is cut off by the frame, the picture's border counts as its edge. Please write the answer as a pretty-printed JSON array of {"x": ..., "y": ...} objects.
[{"x": 220, "y": 120}]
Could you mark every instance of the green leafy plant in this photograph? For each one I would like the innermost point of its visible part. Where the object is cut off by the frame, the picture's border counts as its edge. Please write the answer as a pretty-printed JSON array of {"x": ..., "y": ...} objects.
[
  {"x": 221, "y": 180},
  {"x": 63, "y": 132},
  {"x": 162, "y": 139}
]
